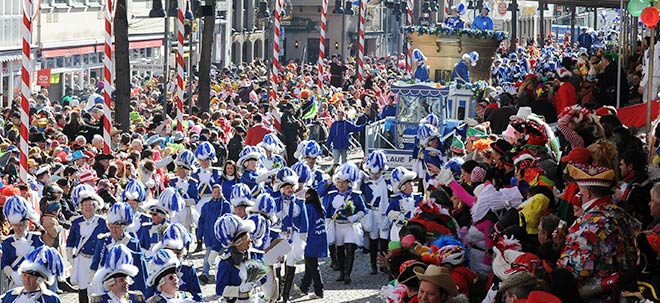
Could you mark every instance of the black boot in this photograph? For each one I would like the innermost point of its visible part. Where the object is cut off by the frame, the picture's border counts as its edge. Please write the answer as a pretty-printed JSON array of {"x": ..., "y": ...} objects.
[
  {"x": 66, "y": 287},
  {"x": 199, "y": 247},
  {"x": 373, "y": 253},
  {"x": 289, "y": 272},
  {"x": 280, "y": 281},
  {"x": 82, "y": 296},
  {"x": 348, "y": 263},
  {"x": 333, "y": 257},
  {"x": 341, "y": 259}
]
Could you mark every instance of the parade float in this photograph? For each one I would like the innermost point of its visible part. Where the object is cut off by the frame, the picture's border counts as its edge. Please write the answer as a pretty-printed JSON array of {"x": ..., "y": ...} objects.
[{"x": 442, "y": 49}]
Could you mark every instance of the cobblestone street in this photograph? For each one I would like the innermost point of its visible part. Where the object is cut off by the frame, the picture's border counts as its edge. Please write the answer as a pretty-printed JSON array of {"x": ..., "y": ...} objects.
[{"x": 363, "y": 289}]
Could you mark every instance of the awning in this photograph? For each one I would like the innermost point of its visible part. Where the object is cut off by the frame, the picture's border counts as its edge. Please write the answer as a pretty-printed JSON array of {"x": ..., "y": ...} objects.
[
  {"x": 8, "y": 58},
  {"x": 60, "y": 52},
  {"x": 52, "y": 53},
  {"x": 145, "y": 44}
]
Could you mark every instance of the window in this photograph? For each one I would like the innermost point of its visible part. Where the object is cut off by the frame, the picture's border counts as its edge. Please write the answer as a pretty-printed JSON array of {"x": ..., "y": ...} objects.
[{"x": 61, "y": 2}]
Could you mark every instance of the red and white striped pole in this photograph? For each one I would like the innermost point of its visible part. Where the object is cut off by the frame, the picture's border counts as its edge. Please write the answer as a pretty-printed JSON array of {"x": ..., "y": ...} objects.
[
  {"x": 110, "y": 9},
  {"x": 360, "y": 59},
  {"x": 324, "y": 21},
  {"x": 30, "y": 12},
  {"x": 178, "y": 99},
  {"x": 276, "y": 53},
  {"x": 409, "y": 13}
]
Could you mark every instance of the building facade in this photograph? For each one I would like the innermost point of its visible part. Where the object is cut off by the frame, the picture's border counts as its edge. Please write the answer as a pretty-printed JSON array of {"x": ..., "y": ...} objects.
[{"x": 248, "y": 32}]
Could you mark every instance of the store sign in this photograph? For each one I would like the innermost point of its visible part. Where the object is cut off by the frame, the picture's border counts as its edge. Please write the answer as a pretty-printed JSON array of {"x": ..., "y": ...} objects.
[
  {"x": 501, "y": 8},
  {"x": 43, "y": 77}
]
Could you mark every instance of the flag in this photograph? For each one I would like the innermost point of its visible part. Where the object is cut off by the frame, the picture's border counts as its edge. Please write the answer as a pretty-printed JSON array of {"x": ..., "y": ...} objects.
[{"x": 313, "y": 110}]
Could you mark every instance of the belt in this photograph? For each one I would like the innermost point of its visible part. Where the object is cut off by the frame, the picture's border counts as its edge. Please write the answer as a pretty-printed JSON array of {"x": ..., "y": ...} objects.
[
  {"x": 84, "y": 255},
  {"x": 343, "y": 222}
]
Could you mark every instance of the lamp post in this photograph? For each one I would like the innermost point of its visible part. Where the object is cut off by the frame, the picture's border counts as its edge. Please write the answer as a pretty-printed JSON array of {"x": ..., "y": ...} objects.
[
  {"x": 347, "y": 9},
  {"x": 425, "y": 17},
  {"x": 513, "y": 7}
]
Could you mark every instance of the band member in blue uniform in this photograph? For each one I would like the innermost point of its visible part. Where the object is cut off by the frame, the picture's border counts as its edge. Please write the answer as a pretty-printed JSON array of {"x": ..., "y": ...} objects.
[
  {"x": 119, "y": 216},
  {"x": 461, "y": 74},
  {"x": 427, "y": 135},
  {"x": 376, "y": 198},
  {"x": 304, "y": 174},
  {"x": 403, "y": 202},
  {"x": 421, "y": 70},
  {"x": 258, "y": 235},
  {"x": 81, "y": 242},
  {"x": 273, "y": 148},
  {"x": 233, "y": 233},
  {"x": 168, "y": 204},
  {"x": 483, "y": 21},
  {"x": 310, "y": 151},
  {"x": 250, "y": 162},
  {"x": 292, "y": 213},
  {"x": 455, "y": 21},
  {"x": 266, "y": 207},
  {"x": 344, "y": 209},
  {"x": 317, "y": 244},
  {"x": 17, "y": 246},
  {"x": 187, "y": 187},
  {"x": 176, "y": 238},
  {"x": 114, "y": 278},
  {"x": 206, "y": 176},
  {"x": 212, "y": 210},
  {"x": 43, "y": 265},
  {"x": 241, "y": 200},
  {"x": 162, "y": 275},
  {"x": 135, "y": 195}
]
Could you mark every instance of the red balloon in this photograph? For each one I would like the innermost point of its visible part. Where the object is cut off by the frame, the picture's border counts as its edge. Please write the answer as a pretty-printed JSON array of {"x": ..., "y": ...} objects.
[{"x": 650, "y": 16}]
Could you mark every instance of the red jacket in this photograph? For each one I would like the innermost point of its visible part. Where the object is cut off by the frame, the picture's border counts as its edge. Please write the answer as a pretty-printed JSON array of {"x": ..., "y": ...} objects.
[
  {"x": 566, "y": 96},
  {"x": 256, "y": 133}
]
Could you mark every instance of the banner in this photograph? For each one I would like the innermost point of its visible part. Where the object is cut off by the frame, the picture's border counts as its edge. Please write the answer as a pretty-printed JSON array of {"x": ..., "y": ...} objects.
[{"x": 43, "y": 77}]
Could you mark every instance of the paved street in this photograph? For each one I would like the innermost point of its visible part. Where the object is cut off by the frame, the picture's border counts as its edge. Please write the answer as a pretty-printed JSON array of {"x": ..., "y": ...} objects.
[{"x": 363, "y": 289}]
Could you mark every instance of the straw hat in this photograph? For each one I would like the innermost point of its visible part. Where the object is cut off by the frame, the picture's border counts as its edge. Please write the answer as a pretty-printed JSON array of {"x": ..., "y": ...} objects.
[{"x": 439, "y": 276}]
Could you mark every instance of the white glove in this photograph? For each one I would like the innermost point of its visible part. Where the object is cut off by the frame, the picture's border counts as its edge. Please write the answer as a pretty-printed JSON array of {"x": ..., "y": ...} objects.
[
  {"x": 8, "y": 271},
  {"x": 445, "y": 176},
  {"x": 246, "y": 287},
  {"x": 190, "y": 202},
  {"x": 303, "y": 237},
  {"x": 212, "y": 256},
  {"x": 69, "y": 254},
  {"x": 384, "y": 223},
  {"x": 354, "y": 218},
  {"x": 393, "y": 215},
  {"x": 281, "y": 215}
]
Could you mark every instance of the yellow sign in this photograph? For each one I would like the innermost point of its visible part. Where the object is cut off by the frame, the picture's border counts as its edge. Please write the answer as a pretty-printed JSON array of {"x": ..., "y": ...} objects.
[{"x": 54, "y": 78}]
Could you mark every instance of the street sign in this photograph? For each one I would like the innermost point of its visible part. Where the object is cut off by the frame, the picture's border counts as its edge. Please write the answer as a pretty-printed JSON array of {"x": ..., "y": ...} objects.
[
  {"x": 147, "y": 67},
  {"x": 397, "y": 157},
  {"x": 501, "y": 8}
]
